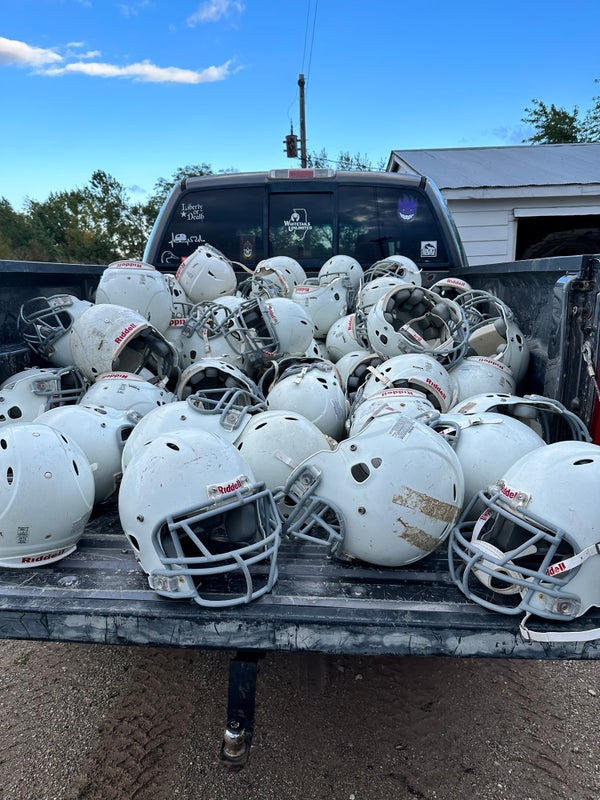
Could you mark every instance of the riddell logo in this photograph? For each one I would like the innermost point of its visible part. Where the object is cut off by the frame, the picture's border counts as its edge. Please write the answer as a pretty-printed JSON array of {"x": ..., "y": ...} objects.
[
  {"x": 397, "y": 393},
  {"x": 455, "y": 282},
  {"x": 175, "y": 323},
  {"x": 123, "y": 334},
  {"x": 45, "y": 557},
  {"x": 556, "y": 569},
  {"x": 484, "y": 360},
  {"x": 508, "y": 492},
  {"x": 219, "y": 489},
  {"x": 436, "y": 386},
  {"x": 230, "y": 487},
  {"x": 129, "y": 265}
]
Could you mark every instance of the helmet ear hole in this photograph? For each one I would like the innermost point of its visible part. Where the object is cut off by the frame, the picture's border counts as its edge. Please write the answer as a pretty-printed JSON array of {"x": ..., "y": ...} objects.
[{"x": 360, "y": 472}]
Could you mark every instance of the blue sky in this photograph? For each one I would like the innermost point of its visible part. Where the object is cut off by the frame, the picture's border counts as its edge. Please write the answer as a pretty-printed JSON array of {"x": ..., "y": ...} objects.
[{"x": 139, "y": 88}]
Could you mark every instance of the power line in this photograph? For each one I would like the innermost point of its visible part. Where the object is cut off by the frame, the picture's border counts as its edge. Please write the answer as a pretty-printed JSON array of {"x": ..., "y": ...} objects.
[{"x": 312, "y": 36}]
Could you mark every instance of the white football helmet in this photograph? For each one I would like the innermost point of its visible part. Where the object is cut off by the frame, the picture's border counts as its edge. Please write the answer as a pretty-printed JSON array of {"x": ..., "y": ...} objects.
[
  {"x": 494, "y": 331},
  {"x": 347, "y": 361},
  {"x": 108, "y": 337},
  {"x": 44, "y": 323},
  {"x": 213, "y": 375},
  {"x": 387, "y": 496},
  {"x": 225, "y": 415},
  {"x": 199, "y": 524},
  {"x": 46, "y": 495},
  {"x": 535, "y": 547},
  {"x": 274, "y": 442},
  {"x": 267, "y": 281},
  {"x": 181, "y": 307},
  {"x": 342, "y": 338},
  {"x": 549, "y": 418},
  {"x": 101, "y": 434},
  {"x": 390, "y": 401},
  {"x": 203, "y": 336},
  {"x": 478, "y": 374},
  {"x": 450, "y": 287},
  {"x": 359, "y": 372},
  {"x": 367, "y": 296},
  {"x": 345, "y": 269},
  {"x": 411, "y": 319},
  {"x": 30, "y": 392},
  {"x": 206, "y": 274},
  {"x": 312, "y": 389},
  {"x": 398, "y": 265},
  {"x": 486, "y": 445},
  {"x": 417, "y": 371},
  {"x": 139, "y": 286},
  {"x": 126, "y": 391},
  {"x": 291, "y": 269},
  {"x": 262, "y": 329},
  {"x": 324, "y": 303}
]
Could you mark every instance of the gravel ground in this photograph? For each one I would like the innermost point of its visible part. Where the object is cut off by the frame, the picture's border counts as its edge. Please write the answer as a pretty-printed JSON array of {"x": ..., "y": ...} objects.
[{"x": 125, "y": 723}]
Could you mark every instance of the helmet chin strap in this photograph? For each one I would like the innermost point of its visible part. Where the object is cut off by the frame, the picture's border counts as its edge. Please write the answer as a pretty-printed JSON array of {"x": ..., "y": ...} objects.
[
  {"x": 563, "y": 636},
  {"x": 556, "y": 636}
]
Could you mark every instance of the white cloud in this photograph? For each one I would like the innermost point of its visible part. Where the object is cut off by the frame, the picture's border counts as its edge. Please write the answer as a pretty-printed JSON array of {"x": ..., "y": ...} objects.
[
  {"x": 133, "y": 9},
  {"x": 22, "y": 54},
  {"x": 214, "y": 10},
  {"x": 142, "y": 71},
  {"x": 48, "y": 62}
]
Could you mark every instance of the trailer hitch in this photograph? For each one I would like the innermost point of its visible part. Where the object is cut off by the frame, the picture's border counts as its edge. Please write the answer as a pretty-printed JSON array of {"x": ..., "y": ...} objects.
[{"x": 241, "y": 697}]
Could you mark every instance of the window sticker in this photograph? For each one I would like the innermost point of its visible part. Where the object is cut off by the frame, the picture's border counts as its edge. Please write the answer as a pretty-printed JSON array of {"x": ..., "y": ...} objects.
[
  {"x": 184, "y": 238},
  {"x": 298, "y": 223},
  {"x": 247, "y": 244},
  {"x": 429, "y": 249},
  {"x": 407, "y": 208},
  {"x": 192, "y": 212}
]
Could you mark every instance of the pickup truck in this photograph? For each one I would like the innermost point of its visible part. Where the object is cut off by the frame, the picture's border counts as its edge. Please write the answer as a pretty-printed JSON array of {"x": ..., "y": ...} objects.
[{"x": 98, "y": 594}]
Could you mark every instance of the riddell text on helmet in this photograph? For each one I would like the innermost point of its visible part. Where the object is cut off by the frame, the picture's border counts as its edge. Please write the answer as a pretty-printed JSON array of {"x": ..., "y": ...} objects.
[
  {"x": 124, "y": 332},
  {"x": 45, "y": 557},
  {"x": 435, "y": 386}
]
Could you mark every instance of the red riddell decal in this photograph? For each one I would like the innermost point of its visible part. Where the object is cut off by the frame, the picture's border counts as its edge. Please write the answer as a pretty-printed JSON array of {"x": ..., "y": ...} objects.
[
  {"x": 46, "y": 557},
  {"x": 123, "y": 334}
]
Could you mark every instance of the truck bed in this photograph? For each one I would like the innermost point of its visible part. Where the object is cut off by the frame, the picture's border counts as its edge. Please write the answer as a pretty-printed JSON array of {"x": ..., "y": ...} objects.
[{"x": 100, "y": 595}]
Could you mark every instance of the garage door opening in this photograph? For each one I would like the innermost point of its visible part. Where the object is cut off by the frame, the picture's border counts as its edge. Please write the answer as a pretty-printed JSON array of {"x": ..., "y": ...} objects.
[{"x": 539, "y": 237}]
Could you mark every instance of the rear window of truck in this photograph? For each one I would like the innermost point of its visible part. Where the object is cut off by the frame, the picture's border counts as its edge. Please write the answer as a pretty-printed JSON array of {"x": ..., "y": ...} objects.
[{"x": 250, "y": 223}]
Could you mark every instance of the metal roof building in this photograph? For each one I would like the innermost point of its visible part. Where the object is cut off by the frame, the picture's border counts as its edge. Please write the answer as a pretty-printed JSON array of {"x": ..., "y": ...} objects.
[{"x": 506, "y": 200}]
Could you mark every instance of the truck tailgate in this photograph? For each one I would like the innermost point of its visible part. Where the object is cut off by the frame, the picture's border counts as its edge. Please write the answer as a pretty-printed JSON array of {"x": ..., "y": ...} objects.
[{"x": 100, "y": 595}]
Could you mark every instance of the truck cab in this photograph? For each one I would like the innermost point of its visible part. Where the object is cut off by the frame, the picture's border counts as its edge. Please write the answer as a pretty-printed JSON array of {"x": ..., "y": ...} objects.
[{"x": 309, "y": 215}]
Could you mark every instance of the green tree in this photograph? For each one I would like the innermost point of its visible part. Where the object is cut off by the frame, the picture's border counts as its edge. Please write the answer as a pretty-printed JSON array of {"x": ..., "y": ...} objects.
[
  {"x": 163, "y": 186},
  {"x": 16, "y": 234},
  {"x": 354, "y": 163},
  {"x": 554, "y": 125},
  {"x": 590, "y": 127}
]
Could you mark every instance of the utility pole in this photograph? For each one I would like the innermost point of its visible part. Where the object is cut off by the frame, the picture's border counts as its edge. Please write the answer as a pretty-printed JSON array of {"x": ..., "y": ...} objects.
[{"x": 302, "y": 123}]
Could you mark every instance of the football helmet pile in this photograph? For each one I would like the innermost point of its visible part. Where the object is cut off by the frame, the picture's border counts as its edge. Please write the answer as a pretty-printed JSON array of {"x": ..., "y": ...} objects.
[{"x": 352, "y": 409}]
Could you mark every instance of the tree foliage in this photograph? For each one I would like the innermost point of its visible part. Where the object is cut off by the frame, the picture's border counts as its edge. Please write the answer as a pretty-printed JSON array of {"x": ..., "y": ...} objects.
[
  {"x": 95, "y": 224},
  {"x": 345, "y": 161},
  {"x": 554, "y": 125}
]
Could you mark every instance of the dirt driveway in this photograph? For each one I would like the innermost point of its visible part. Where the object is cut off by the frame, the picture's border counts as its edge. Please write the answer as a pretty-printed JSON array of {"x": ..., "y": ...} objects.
[{"x": 125, "y": 723}]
